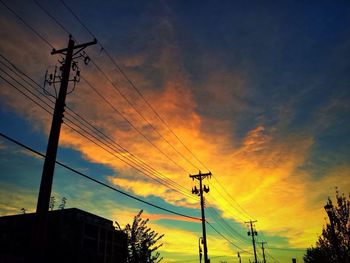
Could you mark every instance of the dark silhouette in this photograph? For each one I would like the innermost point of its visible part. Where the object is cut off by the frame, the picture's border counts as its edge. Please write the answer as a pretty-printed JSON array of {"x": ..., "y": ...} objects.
[
  {"x": 142, "y": 241},
  {"x": 74, "y": 236},
  {"x": 63, "y": 203},
  {"x": 333, "y": 246}
]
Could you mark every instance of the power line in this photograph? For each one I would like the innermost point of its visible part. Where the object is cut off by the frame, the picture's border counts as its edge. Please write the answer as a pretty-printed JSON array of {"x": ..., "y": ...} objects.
[
  {"x": 233, "y": 244},
  {"x": 52, "y": 17},
  {"x": 141, "y": 95},
  {"x": 229, "y": 203},
  {"x": 119, "y": 91},
  {"x": 235, "y": 201},
  {"x": 119, "y": 68},
  {"x": 28, "y": 25},
  {"x": 225, "y": 225},
  {"x": 132, "y": 125},
  {"x": 173, "y": 185},
  {"x": 99, "y": 182},
  {"x": 132, "y": 84}
]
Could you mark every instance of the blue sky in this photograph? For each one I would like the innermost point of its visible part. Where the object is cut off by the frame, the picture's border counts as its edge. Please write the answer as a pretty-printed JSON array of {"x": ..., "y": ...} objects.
[{"x": 258, "y": 91}]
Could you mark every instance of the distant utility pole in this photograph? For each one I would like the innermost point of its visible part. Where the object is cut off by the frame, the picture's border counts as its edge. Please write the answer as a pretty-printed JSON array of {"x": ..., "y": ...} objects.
[
  {"x": 49, "y": 165},
  {"x": 199, "y": 192},
  {"x": 253, "y": 233},
  {"x": 263, "y": 250},
  {"x": 239, "y": 257}
]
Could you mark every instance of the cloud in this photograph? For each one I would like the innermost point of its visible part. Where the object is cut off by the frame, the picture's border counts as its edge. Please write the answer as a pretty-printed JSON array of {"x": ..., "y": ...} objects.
[{"x": 260, "y": 167}]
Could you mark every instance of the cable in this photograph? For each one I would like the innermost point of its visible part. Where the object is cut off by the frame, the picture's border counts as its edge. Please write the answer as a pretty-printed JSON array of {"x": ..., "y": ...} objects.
[
  {"x": 99, "y": 182},
  {"x": 132, "y": 125},
  {"x": 134, "y": 87},
  {"x": 146, "y": 101},
  {"x": 242, "y": 209},
  {"x": 241, "y": 250},
  {"x": 172, "y": 184},
  {"x": 227, "y": 201},
  {"x": 38, "y": 104},
  {"x": 52, "y": 17},
  {"x": 28, "y": 25},
  {"x": 226, "y": 226}
]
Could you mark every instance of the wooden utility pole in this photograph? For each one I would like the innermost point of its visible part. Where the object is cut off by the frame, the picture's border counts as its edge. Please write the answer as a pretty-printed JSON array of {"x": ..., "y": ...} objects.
[
  {"x": 199, "y": 192},
  {"x": 52, "y": 145},
  {"x": 263, "y": 250},
  {"x": 253, "y": 233}
]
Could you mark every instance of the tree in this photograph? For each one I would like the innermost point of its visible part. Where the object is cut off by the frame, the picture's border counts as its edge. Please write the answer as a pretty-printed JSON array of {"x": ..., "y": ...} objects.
[
  {"x": 142, "y": 241},
  {"x": 63, "y": 203},
  {"x": 333, "y": 246}
]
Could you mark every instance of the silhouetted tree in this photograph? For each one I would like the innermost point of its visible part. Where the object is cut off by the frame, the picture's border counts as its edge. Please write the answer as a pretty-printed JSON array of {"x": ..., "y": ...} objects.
[
  {"x": 333, "y": 246},
  {"x": 142, "y": 241},
  {"x": 52, "y": 203},
  {"x": 63, "y": 203}
]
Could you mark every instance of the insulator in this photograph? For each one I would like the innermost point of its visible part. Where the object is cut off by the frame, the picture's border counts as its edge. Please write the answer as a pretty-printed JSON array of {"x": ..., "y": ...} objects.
[
  {"x": 86, "y": 60},
  {"x": 74, "y": 66},
  {"x": 196, "y": 190}
]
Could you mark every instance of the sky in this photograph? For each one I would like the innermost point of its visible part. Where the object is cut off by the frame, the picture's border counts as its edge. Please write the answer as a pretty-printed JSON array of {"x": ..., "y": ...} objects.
[{"x": 256, "y": 92}]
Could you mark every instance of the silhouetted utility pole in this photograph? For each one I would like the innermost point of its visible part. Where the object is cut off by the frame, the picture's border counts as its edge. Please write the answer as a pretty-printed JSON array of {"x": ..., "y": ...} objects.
[
  {"x": 199, "y": 192},
  {"x": 253, "y": 233},
  {"x": 71, "y": 52},
  {"x": 239, "y": 257},
  {"x": 263, "y": 250}
]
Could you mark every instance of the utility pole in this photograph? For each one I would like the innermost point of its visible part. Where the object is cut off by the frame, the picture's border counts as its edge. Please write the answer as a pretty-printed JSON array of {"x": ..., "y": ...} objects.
[
  {"x": 199, "y": 192},
  {"x": 253, "y": 233},
  {"x": 239, "y": 257},
  {"x": 71, "y": 52},
  {"x": 263, "y": 250}
]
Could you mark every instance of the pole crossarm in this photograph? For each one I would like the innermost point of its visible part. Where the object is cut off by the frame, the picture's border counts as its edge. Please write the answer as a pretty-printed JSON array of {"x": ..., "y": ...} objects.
[
  {"x": 200, "y": 175},
  {"x": 81, "y": 47}
]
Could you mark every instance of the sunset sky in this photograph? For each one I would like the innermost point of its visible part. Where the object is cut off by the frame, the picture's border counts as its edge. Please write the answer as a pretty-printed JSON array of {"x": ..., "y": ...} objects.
[{"x": 257, "y": 92}]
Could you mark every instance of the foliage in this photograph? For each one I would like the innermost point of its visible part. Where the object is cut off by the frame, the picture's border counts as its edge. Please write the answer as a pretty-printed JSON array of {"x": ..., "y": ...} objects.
[
  {"x": 52, "y": 203},
  {"x": 333, "y": 246},
  {"x": 63, "y": 203},
  {"x": 142, "y": 241}
]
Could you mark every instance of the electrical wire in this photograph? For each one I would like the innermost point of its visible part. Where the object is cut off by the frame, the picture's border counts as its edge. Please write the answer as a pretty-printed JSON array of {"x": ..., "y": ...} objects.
[
  {"x": 173, "y": 185},
  {"x": 140, "y": 94},
  {"x": 28, "y": 25},
  {"x": 233, "y": 244},
  {"x": 132, "y": 84},
  {"x": 99, "y": 182},
  {"x": 119, "y": 68},
  {"x": 52, "y": 17}
]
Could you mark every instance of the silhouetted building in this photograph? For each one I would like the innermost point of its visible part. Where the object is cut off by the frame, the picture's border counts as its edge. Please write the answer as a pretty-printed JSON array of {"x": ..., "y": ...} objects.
[{"x": 74, "y": 236}]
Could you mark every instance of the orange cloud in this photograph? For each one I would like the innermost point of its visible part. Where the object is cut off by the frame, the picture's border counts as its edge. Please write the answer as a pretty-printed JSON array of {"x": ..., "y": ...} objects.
[{"x": 261, "y": 170}]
